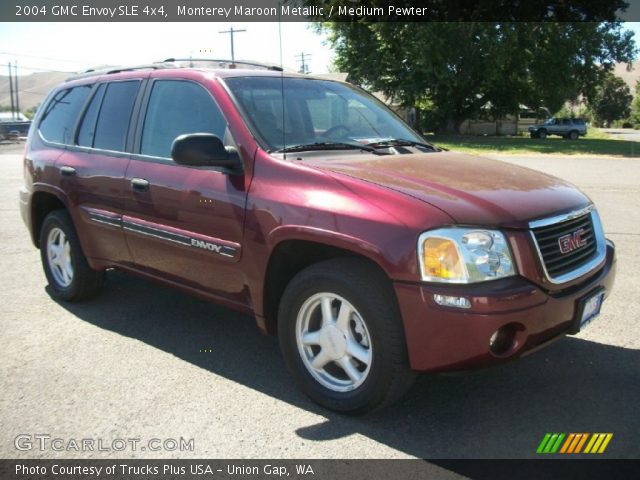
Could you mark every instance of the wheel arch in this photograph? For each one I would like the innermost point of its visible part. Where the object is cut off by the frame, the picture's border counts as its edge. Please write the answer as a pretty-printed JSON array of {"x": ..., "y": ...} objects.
[
  {"x": 291, "y": 255},
  {"x": 43, "y": 202}
]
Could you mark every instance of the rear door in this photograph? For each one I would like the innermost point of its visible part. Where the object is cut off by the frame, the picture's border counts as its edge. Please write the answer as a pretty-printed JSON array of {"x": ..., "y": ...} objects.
[
  {"x": 184, "y": 223},
  {"x": 93, "y": 165}
]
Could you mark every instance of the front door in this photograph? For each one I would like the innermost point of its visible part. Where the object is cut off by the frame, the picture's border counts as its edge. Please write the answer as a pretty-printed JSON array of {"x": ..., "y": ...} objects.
[{"x": 184, "y": 223}]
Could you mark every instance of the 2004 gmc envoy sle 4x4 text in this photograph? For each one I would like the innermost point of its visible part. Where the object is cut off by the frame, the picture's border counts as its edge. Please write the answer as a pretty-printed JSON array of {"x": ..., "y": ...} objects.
[{"x": 308, "y": 204}]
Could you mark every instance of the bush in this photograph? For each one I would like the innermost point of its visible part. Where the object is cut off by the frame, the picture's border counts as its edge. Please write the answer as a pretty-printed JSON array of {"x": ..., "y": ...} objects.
[{"x": 627, "y": 124}]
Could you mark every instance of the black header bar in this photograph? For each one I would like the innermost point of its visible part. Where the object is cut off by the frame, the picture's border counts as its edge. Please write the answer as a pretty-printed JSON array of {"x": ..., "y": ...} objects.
[{"x": 318, "y": 10}]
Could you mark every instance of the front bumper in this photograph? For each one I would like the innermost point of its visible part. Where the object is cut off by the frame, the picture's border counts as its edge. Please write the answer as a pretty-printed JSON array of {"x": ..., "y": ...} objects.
[
  {"x": 446, "y": 338},
  {"x": 23, "y": 199}
]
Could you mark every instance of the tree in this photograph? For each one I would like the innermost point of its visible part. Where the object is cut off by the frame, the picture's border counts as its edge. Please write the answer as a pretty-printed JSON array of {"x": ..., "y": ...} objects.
[
  {"x": 635, "y": 107},
  {"x": 31, "y": 112},
  {"x": 465, "y": 68},
  {"x": 612, "y": 100}
]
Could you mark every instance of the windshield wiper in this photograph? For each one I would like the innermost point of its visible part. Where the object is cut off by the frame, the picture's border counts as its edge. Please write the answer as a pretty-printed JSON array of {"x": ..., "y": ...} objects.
[
  {"x": 327, "y": 146},
  {"x": 401, "y": 142}
]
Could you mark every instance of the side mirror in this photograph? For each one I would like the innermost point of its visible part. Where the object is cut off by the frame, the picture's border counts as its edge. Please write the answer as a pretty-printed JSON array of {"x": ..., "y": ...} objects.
[{"x": 205, "y": 150}]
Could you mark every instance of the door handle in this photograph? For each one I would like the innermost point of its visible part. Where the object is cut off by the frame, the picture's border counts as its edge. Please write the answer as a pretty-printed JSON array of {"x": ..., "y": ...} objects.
[
  {"x": 67, "y": 171},
  {"x": 139, "y": 184}
]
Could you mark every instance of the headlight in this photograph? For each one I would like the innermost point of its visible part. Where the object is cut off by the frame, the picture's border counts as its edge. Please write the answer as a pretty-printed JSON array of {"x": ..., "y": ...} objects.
[{"x": 464, "y": 255}]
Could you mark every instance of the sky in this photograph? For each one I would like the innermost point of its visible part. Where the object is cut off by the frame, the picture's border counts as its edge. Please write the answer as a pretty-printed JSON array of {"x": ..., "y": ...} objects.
[{"x": 74, "y": 47}]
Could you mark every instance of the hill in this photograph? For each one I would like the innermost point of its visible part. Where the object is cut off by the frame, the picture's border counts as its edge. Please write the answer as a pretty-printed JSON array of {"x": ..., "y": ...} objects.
[
  {"x": 629, "y": 76},
  {"x": 33, "y": 88}
]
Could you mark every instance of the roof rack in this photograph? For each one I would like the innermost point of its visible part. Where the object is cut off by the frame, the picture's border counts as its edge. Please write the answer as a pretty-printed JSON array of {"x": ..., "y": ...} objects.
[
  {"x": 170, "y": 63},
  {"x": 106, "y": 71},
  {"x": 230, "y": 63}
]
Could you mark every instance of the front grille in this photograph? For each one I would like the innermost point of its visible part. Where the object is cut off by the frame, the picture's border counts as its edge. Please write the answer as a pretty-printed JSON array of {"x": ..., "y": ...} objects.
[{"x": 548, "y": 236}]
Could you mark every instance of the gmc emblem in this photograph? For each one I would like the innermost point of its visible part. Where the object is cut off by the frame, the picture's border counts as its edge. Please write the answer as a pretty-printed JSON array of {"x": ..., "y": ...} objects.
[{"x": 572, "y": 241}]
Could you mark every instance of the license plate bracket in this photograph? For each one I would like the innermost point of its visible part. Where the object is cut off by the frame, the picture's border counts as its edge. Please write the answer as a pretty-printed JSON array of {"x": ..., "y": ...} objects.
[{"x": 588, "y": 308}]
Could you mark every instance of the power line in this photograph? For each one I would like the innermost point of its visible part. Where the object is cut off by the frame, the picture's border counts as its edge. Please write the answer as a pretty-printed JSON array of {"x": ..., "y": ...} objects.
[
  {"x": 42, "y": 57},
  {"x": 36, "y": 69},
  {"x": 27, "y": 91}
]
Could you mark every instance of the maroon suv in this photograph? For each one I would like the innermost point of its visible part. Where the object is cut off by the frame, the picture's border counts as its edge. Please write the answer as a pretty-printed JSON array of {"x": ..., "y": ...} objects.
[{"x": 308, "y": 204}]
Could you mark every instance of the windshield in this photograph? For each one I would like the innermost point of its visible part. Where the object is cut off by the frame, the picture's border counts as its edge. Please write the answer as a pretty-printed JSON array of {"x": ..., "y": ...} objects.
[{"x": 315, "y": 112}]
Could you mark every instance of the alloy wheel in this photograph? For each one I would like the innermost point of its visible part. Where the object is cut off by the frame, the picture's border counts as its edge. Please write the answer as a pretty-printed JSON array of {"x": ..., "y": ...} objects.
[
  {"x": 59, "y": 257},
  {"x": 334, "y": 342}
]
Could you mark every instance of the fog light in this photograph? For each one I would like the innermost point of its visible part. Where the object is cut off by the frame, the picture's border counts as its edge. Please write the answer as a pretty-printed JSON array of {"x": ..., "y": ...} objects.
[
  {"x": 447, "y": 301},
  {"x": 503, "y": 340}
]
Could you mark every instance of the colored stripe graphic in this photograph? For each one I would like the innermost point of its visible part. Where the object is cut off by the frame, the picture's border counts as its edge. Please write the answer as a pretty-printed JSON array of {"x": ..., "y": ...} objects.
[
  {"x": 574, "y": 443},
  {"x": 568, "y": 442},
  {"x": 556, "y": 445},
  {"x": 543, "y": 443},
  {"x": 581, "y": 443},
  {"x": 598, "y": 443},
  {"x": 550, "y": 443}
]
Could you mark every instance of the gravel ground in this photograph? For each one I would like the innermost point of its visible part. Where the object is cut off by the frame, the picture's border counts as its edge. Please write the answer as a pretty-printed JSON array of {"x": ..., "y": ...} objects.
[{"x": 129, "y": 364}]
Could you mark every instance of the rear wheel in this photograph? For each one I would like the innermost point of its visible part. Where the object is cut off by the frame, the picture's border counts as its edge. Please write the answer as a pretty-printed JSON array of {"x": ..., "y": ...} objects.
[
  {"x": 573, "y": 135},
  {"x": 341, "y": 336},
  {"x": 65, "y": 266}
]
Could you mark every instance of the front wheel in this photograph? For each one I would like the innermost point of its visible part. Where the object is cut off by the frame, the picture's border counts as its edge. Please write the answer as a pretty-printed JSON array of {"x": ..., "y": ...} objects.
[
  {"x": 542, "y": 134},
  {"x": 573, "y": 135},
  {"x": 341, "y": 336},
  {"x": 70, "y": 276}
]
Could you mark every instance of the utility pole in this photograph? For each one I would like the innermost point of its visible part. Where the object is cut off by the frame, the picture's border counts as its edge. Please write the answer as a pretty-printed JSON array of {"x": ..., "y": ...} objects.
[
  {"x": 11, "y": 91},
  {"x": 17, "y": 91},
  {"x": 231, "y": 31},
  {"x": 304, "y": 67}
]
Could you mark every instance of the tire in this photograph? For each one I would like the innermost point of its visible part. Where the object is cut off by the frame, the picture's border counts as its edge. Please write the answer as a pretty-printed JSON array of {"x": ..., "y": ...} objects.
[
  {"x": 573, "y": 135},
  {"x": 370, "y": 344},
  {"x": 542, "y": 134},
  {"x": 533, "y": 134},
  {"x": 68, "y": 273}
]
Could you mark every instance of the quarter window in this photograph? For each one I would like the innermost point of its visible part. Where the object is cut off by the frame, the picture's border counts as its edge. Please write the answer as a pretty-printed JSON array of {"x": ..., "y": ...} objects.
[
  {"x": 175, "y": 108},
  {"x": 115, "y": 113},
  {"x": 61, "y": 114}
]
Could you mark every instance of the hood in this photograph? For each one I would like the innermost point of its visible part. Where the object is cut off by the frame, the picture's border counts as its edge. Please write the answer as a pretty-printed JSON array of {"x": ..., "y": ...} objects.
[{"x": 472, "y": 190}]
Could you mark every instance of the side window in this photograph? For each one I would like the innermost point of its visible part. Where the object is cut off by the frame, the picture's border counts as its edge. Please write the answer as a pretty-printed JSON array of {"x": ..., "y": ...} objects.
[
  {"x": 61, "y": 114},
  {"x": 177, "y": 107},
  {"x": 88, "y": 126},
  {"x": 115, "y": 113}
]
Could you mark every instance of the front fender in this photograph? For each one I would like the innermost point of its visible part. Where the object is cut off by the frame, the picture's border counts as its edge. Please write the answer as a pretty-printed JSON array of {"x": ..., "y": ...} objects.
[{"x": 334, "y": 239}]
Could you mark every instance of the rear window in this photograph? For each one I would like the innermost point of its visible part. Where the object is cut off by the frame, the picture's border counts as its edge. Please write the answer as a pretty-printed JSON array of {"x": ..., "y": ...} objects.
[
  {"x": 60, "y": 116},
  {"x": 115, "y": 113}
]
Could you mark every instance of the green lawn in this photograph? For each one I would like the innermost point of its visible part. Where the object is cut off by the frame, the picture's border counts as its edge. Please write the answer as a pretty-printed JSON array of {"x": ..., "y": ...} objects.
[{"x": 595, "y": 143}]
